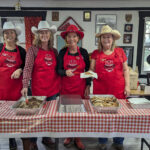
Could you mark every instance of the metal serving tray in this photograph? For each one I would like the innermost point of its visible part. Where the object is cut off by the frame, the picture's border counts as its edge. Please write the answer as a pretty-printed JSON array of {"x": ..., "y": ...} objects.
[
  {"x": 28, "y": 111},
  {"x": 70, "y": 104},
  {"x": 101, "y": 109}
]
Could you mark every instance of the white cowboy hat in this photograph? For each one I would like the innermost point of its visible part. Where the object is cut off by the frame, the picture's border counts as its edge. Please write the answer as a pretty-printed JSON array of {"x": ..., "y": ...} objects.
[
  {"x": 10, "y": 26},
  {"x": 43, "y": 25},
  {"x": 106, "y": 30}
]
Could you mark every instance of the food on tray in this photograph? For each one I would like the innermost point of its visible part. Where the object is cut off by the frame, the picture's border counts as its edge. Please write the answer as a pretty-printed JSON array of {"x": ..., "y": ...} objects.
[
  {"x": 104, "y": 101},
  {"x": 32, "y": 103},
  {"x": 88, "y": 73}
]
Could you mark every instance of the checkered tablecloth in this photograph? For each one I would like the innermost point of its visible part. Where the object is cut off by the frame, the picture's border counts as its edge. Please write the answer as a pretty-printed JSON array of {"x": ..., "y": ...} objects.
[{"x": 128, "y": 122}]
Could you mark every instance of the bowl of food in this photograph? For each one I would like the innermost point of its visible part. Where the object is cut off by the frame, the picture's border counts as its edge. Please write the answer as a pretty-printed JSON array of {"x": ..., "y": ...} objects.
[
  {"x": 105, "y": 103},
  {"x": 33, "y": 106}
]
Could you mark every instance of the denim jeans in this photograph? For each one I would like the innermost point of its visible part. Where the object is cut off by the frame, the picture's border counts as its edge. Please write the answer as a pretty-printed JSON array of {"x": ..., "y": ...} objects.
[
  {"x": 47, "y": 99},
  {"x": 116, "y": 140}
]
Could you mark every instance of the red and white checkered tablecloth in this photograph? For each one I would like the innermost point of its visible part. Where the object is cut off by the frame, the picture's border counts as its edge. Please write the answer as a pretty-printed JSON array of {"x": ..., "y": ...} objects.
[{"x": 128, "y": 122}]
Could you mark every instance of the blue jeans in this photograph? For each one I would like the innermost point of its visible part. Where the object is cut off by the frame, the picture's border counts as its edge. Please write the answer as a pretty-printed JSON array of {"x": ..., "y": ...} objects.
[
  {"x": 47, "y": 99},
  {"x": 116, "y": 140}
]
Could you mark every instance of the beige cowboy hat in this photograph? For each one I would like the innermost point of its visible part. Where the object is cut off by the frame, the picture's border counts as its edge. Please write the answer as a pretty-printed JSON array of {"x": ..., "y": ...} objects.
[
  {"x": 43, "y": 25},
  {"x": 106, "y": 29},
  {"x": 10, "y": 26}
]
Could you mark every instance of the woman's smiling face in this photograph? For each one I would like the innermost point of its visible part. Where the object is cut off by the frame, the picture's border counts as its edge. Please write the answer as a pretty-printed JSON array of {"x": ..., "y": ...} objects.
[
  {"x": 72, "y": 39},
  {"x": 44, "y": 35},
  {"x": 107, "y": 40},
  {"x": 9, "y": 35}
]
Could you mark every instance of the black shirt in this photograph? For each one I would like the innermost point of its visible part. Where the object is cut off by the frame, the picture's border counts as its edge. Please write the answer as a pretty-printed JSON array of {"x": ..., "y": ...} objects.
[
  {"x": 22, "y": 53},
  {"x": 60, "y": 62}
]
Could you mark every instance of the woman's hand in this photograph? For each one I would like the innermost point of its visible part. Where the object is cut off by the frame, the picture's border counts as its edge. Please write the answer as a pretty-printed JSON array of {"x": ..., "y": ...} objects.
[
  {"x": 16, "y": 74},
  {"x": 24, "y": 92},
  {"x": 69, "y": 73},
  {"x": 127, "y": 91},
  {"x": 87, "y": 91}
]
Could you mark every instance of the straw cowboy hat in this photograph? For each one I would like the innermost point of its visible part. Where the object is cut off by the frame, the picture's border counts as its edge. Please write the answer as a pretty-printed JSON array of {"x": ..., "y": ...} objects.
[
  {"x": 108, "y": 30},
  {"x": 10, "y": 26},
  {"x": 72, "y": 28},
  {"x": 43, "y": 25}
]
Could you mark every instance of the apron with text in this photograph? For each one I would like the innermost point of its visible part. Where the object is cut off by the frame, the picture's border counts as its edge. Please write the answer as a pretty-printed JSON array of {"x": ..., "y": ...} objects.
[
  {"x": 10, "y": 89},
  {"x": 110, "y": 75},
  {"x": 73, "y": 85},
  {"x": 45, "y": 80}
]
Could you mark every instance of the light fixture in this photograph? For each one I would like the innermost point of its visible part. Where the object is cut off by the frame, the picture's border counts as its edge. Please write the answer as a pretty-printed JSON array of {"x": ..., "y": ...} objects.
[{"x": 18, "y": 6}]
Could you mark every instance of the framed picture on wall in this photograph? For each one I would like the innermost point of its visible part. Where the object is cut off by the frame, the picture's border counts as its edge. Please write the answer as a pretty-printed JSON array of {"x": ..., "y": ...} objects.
[
  {"x": 55, "y": 16},
  {"x": 87, "y": 16},
  {"x": 127, "y": 38},
  {"x": 128, "y": 27},
  {"x": 129, "y": 53},
  {"x": 101, "y": 20},
  {"x": 110, "y": 20}
]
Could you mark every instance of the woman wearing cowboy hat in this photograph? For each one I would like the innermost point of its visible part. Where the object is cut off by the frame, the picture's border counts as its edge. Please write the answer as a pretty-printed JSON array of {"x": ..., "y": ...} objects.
[
  {"x": 40, "y": 67},
  {"x": 110, "y": 63},
  {"x": 73, "y": 60},
  {"x": 12, "y": 60}
]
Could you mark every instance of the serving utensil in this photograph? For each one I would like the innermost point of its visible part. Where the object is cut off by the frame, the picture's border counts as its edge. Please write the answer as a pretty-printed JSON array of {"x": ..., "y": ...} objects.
[{"x": 26, "y": 99}]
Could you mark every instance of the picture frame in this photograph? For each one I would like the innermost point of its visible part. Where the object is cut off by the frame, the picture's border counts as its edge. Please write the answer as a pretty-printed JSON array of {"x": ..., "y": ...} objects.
[
  {"x": 129, "y": 51},
  {"x": 68, "y": 22},
  {"x": 127, "y": 38},
  {"x": 55, "y": 16},
  {"x": 108, "y": 19},
  {"x": 87, "y": 16},
  {"x": 128, "y": 27}
]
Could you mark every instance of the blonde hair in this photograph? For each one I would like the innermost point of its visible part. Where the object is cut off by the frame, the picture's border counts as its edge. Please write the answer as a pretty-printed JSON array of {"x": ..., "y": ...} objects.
[
  {"x": 100, "y": 46},
  {"x": 37, "y": 42}
]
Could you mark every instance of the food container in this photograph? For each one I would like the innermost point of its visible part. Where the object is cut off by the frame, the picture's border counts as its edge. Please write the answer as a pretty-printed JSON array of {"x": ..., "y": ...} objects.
[
  {"x": 70, "y": 104},
  {"x": 133, "y": 79},
  {"x": 102, "y": 109},
  {"x": 28, "y": 111},
  {"x": 139, "y": 103}
]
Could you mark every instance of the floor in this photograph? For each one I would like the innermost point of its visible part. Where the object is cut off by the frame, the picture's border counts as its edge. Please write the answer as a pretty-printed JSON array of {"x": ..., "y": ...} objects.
[{"x": 90, "y": 143}]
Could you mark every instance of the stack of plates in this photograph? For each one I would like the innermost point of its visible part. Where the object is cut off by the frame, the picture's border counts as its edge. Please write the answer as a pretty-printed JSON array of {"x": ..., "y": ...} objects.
[{"x": 139, "y": 103}]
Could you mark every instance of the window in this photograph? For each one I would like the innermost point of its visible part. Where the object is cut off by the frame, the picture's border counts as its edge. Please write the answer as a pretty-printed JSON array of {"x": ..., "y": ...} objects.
[
  {"x": 146, "y": 45},
  {"x": 143, "y": 44}
]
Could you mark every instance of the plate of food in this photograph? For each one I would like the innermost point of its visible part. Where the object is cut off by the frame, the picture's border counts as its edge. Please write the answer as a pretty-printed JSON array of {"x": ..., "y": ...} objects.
[
  {"x": 33, "y": 106},
  {"x": 88, "y": 74},
  {"x": 105, "y": 103}
]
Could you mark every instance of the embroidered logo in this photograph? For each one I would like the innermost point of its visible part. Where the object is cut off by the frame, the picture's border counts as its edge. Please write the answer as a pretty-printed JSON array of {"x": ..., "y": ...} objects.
[
  {"x": 10, "y": 60},
  {"x": 48, "y": 59},
  {"x": 72, "y": 64},
  {"x": 109, "y": 65}
]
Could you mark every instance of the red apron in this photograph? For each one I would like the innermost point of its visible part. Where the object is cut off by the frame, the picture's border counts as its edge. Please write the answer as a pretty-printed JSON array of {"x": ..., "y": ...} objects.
[
  {"x": 73, "y": 85},
  {"x": 45, "y": 81},
  {"x": 110, "y": 75},
  {"x": 10, "y": 89}
]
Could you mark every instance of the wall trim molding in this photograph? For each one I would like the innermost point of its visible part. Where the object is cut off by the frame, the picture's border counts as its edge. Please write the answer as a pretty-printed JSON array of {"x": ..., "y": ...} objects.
[{"x": 76, "y": 8}]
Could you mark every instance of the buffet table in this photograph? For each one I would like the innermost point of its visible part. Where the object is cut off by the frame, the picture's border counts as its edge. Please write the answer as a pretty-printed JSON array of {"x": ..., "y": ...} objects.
[{"x": 128, "y": 122}]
